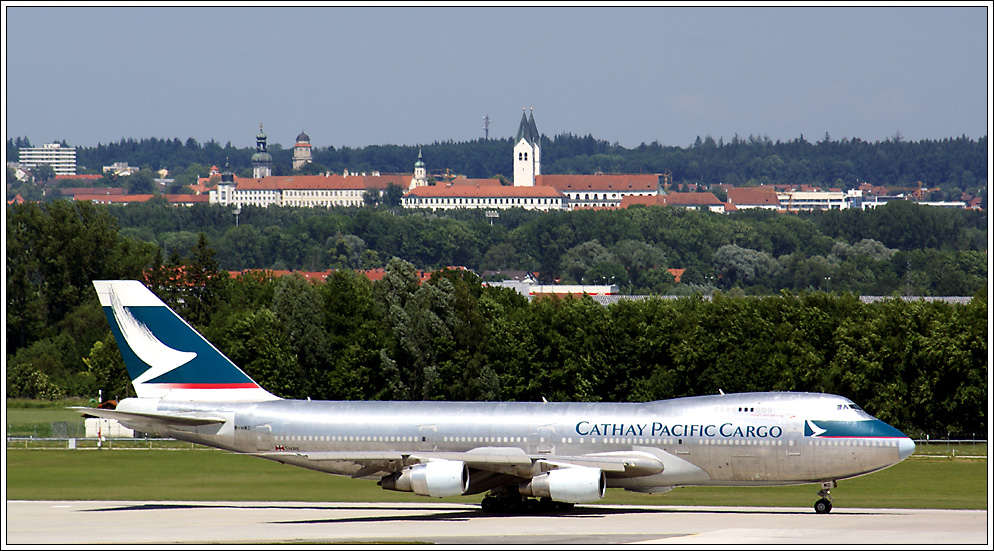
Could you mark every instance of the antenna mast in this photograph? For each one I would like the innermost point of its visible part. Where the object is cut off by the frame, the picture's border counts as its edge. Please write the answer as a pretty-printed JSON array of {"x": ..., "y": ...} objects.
[{"x": 486, "y": 127}]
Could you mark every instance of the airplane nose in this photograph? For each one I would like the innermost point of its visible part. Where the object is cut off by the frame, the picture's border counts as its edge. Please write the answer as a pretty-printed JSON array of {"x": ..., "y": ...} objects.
[{"x": 905, "y": 447}]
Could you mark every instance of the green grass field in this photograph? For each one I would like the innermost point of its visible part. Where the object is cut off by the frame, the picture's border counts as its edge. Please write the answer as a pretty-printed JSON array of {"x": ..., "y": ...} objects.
[
  {"x": 172, "y": 470},
  {"x": 204, "y": 474}
]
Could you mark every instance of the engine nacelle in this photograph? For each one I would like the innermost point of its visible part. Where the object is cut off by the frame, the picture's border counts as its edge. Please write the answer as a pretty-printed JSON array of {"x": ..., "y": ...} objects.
[
  {"x": 570, "y": 485},
  {"x": 435, "y": 479}
]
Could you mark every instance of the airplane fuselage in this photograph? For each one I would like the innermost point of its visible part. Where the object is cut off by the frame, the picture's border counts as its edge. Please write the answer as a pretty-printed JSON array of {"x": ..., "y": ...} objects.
[
  {"x": 752, "y": 439},
  {"x": 560, "y": 453}
]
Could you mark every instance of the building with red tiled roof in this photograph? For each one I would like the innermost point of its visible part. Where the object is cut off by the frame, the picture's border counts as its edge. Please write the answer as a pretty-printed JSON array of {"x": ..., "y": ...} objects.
[
  {"x": 176, "y": 199},
  {"x": 74, "y": 191},
  {"x": 373, "y": 274},
  {"x": 705, "y": 200},
  {"x": 80, "y": 177},
  {"x": 486, "y": 197},
  {"x": 647, "y": 200},
  {"x": 462, "y": 181},
  {"x": 600, "y": 190},
  {"x": 761, "y": 197},
  {"x": 321, "y": 190}
]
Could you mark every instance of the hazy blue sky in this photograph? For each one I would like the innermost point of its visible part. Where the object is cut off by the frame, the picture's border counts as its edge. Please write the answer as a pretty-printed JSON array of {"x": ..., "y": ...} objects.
[{"x": 387, "y": 75}]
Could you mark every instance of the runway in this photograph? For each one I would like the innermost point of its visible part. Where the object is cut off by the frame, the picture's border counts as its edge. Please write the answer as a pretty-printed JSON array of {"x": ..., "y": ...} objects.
[{"x": 241, "y": 523}]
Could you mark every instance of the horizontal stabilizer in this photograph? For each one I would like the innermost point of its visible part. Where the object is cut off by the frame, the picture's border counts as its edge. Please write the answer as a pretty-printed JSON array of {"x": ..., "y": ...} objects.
[{"x": 184, "y": 418}]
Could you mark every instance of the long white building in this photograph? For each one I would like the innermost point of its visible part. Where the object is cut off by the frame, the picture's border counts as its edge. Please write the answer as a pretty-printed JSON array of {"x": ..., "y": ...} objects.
[
  {"x": 333, "y": 190},
  {"x": 61, "y": 159},
  {"x": 464, "y": 193}
]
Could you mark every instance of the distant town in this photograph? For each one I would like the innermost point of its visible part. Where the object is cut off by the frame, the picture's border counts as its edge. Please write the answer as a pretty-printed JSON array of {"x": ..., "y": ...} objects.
[{"x": 529, "y": 189}]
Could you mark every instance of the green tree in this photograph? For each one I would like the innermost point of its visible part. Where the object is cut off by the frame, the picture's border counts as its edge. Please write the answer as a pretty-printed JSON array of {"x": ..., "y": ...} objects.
[
  {"x": 256, "y": 342},
  {"x": 299, "y": 308},
  {"x": 42, "y": 173}
]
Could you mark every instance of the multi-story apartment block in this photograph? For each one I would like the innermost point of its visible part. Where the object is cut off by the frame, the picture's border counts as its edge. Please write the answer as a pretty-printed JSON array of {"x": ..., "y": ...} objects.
[{"x": 61, "y": 159}]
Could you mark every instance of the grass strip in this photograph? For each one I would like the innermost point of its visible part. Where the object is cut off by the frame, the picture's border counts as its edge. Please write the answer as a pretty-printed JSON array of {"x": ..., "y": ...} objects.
[{"x": 201, "y": 474}]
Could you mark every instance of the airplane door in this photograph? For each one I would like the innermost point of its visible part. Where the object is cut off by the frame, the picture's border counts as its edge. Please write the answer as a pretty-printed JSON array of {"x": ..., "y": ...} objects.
[
  {"x": 791, "y": 461},
  {"x": 749, "y": 467},
  {"x": 263, "y": 437},
  {"x": 426, "y": 437},
  {"x": 544, "y": 436}
]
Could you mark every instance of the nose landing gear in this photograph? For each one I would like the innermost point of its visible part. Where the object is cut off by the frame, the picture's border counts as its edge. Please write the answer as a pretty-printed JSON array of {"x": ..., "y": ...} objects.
[{"x": 824, "y": 505}]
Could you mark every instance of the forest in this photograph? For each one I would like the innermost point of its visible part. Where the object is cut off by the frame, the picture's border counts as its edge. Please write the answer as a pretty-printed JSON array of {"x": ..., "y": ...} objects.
[
  {"x": 946, "y": 167},
  {"x": 901, "y": 248},
  {"x": 918, "y": 365}
]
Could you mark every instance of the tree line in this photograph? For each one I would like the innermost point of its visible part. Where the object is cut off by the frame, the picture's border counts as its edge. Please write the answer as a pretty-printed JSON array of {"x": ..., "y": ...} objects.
[
  {"x": 921, "y": 366},
  {"x": 899, "y": 248},
  {"x": 946, "y": 167}
]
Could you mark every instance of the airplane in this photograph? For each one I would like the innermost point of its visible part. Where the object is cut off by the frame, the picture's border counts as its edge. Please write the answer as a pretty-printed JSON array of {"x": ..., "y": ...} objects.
[{"x": 560, "y": 453}]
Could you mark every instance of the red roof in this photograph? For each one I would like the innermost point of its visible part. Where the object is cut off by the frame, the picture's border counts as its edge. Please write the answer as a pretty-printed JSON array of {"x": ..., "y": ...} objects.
[
  {"x": 648, "y": 200},
  {"x": 478, "y": 182},
  {"x": 677, "y": 273},
  {"x": 681, "y": 199},
  {"x": 599, "y": 182},
  {"x": 753, "y": 196},
  {"x": 92, "y": 191},
  {"x": 186, "y": 198},
  {"x": 310, "y": 276},
  {"x": 78, "y": 176},
  {"x": 122, "y": 199},
  {"x": 672, "y": 199}
]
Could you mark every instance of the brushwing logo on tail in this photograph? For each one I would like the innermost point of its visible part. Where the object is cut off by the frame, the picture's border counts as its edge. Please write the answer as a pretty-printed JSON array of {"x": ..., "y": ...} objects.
[{"x": 161, "y": 358}]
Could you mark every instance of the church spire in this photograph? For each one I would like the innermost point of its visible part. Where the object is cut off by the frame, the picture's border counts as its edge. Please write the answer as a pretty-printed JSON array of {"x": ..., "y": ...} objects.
[{"x": 524, "y": 128}]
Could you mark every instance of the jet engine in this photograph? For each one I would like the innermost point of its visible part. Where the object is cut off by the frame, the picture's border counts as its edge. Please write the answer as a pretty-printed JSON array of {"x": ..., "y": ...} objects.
[
  {"x": 435, "y": 479},
  {"x": 571, "y": 485}
]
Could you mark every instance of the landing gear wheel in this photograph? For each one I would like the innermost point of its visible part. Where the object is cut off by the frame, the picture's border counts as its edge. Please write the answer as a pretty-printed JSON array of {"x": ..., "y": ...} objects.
[
  {"x": 489, "y": 504},
  {"x": 823, "y": 506}
]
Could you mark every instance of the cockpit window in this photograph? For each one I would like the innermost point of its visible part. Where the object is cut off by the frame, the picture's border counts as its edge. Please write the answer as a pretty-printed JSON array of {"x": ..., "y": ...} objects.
[{"x": 849, "y": 406}]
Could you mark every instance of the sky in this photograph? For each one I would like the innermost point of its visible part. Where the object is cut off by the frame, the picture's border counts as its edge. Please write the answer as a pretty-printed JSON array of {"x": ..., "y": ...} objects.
[{"x": 378, "y": 74}]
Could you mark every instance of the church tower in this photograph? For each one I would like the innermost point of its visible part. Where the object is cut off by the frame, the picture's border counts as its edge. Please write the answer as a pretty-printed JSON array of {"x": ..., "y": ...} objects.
[
  {"x": 527, "y": 152},
  {"x": 420, "y": 174},
  {"x": 262, "y": 162},
  {"x": 301, "y": 151}
]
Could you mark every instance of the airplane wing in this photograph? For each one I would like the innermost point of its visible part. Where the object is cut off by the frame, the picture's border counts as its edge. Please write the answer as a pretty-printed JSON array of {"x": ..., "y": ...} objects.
[
  {"x": 181, "y": 418},
  {"x": 513, "y": 461}
]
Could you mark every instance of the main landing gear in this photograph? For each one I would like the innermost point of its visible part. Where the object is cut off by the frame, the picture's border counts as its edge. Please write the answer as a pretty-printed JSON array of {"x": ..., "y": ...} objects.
[
  {"x": 517, "y": 504},
  {"x": 824, "y": 505}
]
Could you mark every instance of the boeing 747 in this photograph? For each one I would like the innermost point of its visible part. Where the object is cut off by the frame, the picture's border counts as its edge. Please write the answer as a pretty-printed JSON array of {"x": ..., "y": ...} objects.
[{"x": 559, "y": 453}]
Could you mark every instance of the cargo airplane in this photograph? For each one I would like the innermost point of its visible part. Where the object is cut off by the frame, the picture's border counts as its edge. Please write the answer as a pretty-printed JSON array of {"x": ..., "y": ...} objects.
[{"x": 560, "y": 453}]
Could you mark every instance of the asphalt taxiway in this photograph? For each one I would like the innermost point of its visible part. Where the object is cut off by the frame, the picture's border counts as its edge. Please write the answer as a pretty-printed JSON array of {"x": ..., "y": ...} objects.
[{"x": 239, "y": 523}]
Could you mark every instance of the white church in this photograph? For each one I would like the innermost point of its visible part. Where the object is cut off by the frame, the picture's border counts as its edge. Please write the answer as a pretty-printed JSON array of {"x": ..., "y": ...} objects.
[{"x": 531, "y": 189}]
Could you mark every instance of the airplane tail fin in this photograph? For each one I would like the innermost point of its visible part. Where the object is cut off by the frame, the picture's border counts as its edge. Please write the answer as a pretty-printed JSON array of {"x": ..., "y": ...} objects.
[{"x": 166, "y": 357}]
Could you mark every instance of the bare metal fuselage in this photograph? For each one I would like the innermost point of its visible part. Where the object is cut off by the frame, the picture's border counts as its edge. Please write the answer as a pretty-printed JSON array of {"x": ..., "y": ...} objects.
[{"x": 752, "y": 439}]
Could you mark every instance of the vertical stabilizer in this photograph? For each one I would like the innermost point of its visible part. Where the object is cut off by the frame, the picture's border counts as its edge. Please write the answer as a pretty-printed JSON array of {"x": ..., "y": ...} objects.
[{"x": 166, "y": 357}]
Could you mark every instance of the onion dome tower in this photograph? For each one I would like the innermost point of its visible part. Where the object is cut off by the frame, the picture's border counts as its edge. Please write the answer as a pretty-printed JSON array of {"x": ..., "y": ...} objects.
[
  {"x": 420, "y": 173},
  {"x": 262, "y": 162},
  {"x": 301, "y": 151}
]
